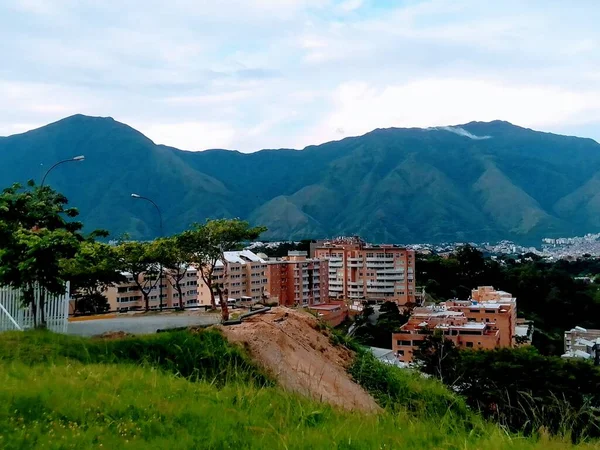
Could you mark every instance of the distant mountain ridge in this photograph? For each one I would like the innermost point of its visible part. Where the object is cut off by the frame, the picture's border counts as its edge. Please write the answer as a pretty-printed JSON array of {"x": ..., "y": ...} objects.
[{"x": 481, "y": 181}]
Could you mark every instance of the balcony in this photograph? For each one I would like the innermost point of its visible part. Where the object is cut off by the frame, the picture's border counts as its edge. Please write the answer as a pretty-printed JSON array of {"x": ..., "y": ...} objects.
[
  {"x": 384, "y": 259},
  {"x": 377, "y": 290},
  {"x": 384, "y": 284},
  {"x": 390, "y": 271},
  {"x": 380, "y": 265}
]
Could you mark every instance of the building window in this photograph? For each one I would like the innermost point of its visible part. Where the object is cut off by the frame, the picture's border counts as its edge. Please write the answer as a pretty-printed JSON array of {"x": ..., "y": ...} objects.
[
  {"x": 469, "y": 345},
  {"x": 489, "y": 311}
]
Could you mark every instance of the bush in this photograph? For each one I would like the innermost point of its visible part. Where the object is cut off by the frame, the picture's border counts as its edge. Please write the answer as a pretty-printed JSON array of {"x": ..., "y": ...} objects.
[
  {"x": 202, "y": 355},
  {"x": 398, "y": 389}
]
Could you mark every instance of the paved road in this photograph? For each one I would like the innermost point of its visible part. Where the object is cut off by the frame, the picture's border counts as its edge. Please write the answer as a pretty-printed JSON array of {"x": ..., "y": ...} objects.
[{"x": 138, "y": 325}]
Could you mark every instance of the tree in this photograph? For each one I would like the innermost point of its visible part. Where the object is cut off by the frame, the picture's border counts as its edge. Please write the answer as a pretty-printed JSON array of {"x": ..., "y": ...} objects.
[
  {"x": 138, "y": 259},
  {"x": 210, "y": 241},
  {"x": 37, "y": 238},
  {"x": 175, "y": 254},
  {"x": 437, "y": 356},
  {"x": 94, "y": 268},
  {"x": 380, "y": 334}
]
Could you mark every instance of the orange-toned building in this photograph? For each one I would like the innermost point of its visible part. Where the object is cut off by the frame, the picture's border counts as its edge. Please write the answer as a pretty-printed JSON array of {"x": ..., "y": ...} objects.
[
  {"x": 487, "y": 321},
  {"x": 333, "y": 313},
  {"x": 358, "y": 270},
  {"x": 296, "y": 280},
  {"x": 452, "y": 324}
]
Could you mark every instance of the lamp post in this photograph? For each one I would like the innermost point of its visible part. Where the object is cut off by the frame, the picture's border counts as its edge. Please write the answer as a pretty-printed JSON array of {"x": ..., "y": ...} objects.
[
  {"x": 76, "y": 158},
  {"x": 160, "y": 299}
]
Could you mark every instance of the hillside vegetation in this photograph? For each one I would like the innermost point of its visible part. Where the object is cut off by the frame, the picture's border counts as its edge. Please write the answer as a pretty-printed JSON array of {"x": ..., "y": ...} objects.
[
  {"x": 393, "y": 185},
  {"x": 182, "y": 390}
]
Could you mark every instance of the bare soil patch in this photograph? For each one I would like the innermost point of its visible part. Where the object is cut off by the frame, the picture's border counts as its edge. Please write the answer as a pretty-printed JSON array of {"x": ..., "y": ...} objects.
[
  {"x": 291, "y": 346},
  {"x": 112, "y": 335}
]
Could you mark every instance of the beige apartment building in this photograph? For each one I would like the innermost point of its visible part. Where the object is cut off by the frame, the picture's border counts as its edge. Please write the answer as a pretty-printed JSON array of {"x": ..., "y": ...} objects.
[
  {"x": 296, "y": 280},
  {"x": 127, "y": 297},
  {"x": 245, "y": 278},
  {"x": 358, "y": 270}
]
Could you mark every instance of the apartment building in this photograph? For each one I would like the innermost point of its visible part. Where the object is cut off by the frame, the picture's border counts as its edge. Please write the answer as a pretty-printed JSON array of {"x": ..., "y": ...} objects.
[
  {"x": 245, "y": 278},
  {"x": 358, "y": 270},
  {"x": 453, "y": 325},
  {"x": 127, "y": 297},
  {"x": 486, "y": 321},
  {"x": 296, "y": 280},
  {"x": 500, "y": 316},
  {"x": 582, "y": 343}
]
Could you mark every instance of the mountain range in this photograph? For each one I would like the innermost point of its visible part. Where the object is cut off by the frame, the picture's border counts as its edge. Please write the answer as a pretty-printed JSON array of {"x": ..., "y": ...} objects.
[{"x": 481, "y": 181}]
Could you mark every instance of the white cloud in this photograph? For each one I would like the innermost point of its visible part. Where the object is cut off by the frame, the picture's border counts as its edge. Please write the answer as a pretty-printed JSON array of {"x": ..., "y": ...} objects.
[
  {"x": 190, "y": 135},
  {"x": 288, "y": 73},
  {"x": 351, "y": 5},
  {"x": 360, "y": 107}
]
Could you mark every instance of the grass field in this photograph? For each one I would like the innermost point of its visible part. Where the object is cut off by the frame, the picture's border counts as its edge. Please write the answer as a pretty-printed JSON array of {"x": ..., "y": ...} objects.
[{"x": 184, "y": 391}]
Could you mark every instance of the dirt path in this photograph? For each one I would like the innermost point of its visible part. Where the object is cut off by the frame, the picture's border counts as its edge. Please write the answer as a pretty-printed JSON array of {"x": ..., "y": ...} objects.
[{"x": 289, "y": 345}]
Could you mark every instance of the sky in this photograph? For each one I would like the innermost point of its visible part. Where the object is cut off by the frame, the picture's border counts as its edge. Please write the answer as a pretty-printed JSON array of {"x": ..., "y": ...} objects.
[{"x": 253, "y": 74}]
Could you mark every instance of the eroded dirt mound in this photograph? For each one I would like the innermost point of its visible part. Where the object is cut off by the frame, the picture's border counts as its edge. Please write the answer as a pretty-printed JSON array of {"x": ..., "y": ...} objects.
[
  {"x": 112, "y": 335},
  {"x": 289, "y": 344}
]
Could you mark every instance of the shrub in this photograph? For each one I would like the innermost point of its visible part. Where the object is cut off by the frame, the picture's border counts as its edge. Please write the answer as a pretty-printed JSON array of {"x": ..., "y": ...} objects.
[{"x": 202, "y": 355}]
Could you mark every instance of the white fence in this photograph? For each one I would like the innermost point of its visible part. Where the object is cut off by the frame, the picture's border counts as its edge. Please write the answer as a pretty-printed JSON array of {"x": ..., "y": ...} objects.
[{"x": 14, "y": 316}]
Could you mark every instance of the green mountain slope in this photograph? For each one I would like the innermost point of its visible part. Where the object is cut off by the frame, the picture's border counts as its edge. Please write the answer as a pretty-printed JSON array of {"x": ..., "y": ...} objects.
[{"x": 478, "y": 181}]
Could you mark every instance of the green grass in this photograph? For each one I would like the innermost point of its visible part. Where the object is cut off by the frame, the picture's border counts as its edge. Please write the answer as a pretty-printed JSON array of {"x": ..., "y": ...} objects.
[
  {"x": 401, "y": 389},
  {"x": 109, "y": 406},
  {"x": 63, "y": 392},
  {"x": 203, "y": 355}
]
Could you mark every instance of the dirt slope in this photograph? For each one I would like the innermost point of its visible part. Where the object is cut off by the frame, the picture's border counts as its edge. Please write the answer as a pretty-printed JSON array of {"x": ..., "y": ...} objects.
[{"x": 289, "y": 345}]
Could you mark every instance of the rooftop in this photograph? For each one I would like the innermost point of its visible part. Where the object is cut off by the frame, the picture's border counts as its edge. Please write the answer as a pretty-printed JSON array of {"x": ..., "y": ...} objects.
[
  {"x": 433, "y": 313},
  {"x": 325, "y": 307},
  {"x": 466, "y": 326},
  {"x": 241, "y": 257}
]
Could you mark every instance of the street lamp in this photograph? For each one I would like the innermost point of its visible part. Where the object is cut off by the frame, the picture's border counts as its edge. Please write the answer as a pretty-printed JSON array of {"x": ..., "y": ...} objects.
[
  {"x": 137, "y": 196},
  {"x": 76, "y": 158}
]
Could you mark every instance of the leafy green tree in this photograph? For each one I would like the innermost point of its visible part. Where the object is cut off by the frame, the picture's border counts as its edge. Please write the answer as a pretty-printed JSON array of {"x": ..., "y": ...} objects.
[
  {"x": 389, "y": 321},
  {"x": 37, "y": 237},
  {"x": 438, "y": 356},
  {"x": 176, "y": 255},
  {"x": 94, "y": 268},
  {"x": 210, "y": 241},
  {"x": 525, "y": 391},
  {"x": 138, "y": 259}
]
